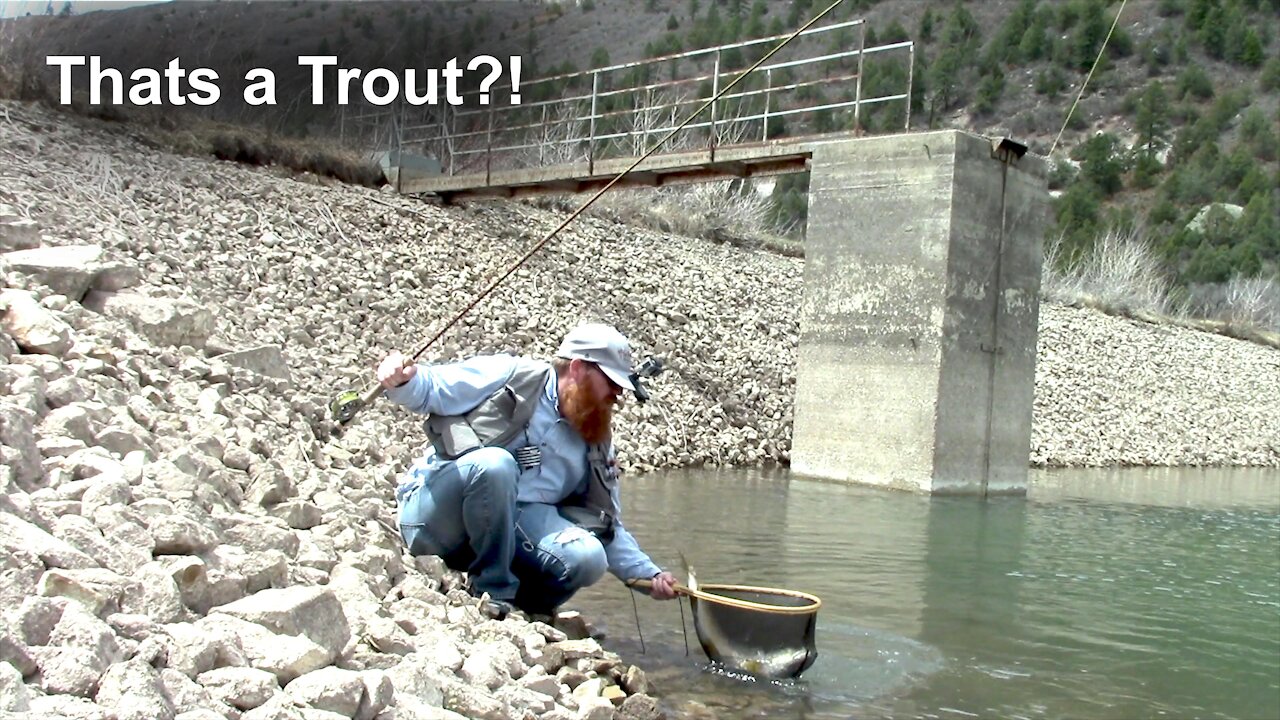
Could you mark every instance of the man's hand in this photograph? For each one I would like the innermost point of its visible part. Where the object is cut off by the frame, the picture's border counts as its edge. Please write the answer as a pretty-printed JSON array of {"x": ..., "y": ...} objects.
[
  {"x": 664, "y": 584},
  {"x": 396, "y": 370}
]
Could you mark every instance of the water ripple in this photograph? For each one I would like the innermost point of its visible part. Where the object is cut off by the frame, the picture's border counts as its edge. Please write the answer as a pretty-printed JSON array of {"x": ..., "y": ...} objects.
[{"x": 1055, "y": 607}]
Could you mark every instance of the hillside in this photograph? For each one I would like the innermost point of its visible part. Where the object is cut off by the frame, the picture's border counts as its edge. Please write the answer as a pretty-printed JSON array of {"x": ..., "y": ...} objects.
[{"x": 1181, "y": 113}]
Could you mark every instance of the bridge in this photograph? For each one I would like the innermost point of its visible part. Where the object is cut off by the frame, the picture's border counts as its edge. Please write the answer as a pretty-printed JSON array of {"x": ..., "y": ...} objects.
[
  {"x": 922, "y": 258},
  {"x": 575, "y": 131}
]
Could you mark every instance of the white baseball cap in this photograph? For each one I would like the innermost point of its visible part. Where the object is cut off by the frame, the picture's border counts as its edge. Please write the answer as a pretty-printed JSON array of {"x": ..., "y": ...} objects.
[{"x": 603, "y": 345}]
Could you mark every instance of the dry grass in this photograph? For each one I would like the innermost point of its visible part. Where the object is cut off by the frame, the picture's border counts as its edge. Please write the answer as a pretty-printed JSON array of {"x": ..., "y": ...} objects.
[
  {"x": 1243, "y": 306},
  {"x": 191, "y": 135},
  {"x": 22, "y": 77},
  {"x": 1123, "y": 276},
  {"x": 716, "y": 211}
]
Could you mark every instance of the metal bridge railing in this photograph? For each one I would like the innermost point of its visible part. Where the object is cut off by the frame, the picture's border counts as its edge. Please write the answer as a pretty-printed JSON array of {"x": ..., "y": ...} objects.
[{"x": 618, "y": 110}]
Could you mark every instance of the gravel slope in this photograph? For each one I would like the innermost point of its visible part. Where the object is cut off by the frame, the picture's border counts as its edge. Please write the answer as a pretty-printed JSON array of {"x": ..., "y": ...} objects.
[{"x": 338, "y": 275}]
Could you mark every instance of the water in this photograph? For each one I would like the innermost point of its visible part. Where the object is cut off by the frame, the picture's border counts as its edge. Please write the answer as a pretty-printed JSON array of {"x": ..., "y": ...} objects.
[{"x": 1103, "y": 594}]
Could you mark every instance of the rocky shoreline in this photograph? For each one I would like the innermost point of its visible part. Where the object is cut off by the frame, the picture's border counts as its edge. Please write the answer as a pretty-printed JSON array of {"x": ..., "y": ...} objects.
[{"x": 188, "y": 535}]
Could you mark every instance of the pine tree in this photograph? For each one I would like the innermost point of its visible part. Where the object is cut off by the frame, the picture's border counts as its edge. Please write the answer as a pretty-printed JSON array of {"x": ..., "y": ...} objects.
[
  {"x": 1101, "y": 163},
  {"x": 1251, "y": 52},
  {"x": 1077, "y": 215},
  {"x": 755, "y": 21},
  {"x": 1034, "y": 42},
  {"x": 989, "y": 91},
  {"x": 962, "y": 31},
  {"x": 1213, "y": 33},
  {"x": 944, "y": 81},
  {"x": 1145, "y": 170},
  {"x": 895, "y": 33},
  {"x": 1197, "y": 12},
  {"x": 1194, "y": 81},
  {"x": 1050, "y": 81},
  {"x": 926, "y": 25},
  {"x": 959, "y": 42},
  {"x": 1089, "y": 36},
  {"x": 1269, "y": 78},
  {"x": 1260, "y": 222},
  {"x": 1005, "y": 46},
  {"x": 712, "y": 26},
  {"x": 1153, "y": 119}
]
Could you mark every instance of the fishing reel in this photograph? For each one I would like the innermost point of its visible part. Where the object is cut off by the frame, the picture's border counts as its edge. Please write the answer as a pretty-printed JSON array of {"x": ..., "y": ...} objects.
[
  {"x": 345, "y": 405},
  {"x": 651, "y": 367}
]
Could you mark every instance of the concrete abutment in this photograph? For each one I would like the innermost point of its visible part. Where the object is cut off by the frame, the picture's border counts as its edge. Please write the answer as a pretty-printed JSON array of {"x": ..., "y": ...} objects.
[{"x": 916, "y": 364}]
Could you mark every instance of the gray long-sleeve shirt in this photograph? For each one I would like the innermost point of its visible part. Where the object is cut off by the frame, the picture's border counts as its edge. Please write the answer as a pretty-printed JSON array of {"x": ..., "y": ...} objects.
[{"x": 457, "y": 388}]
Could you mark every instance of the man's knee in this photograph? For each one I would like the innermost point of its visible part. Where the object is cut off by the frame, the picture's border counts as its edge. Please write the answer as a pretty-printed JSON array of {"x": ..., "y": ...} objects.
[
  {"x": 583, "y": 556},
  {"x": 491, "y": 465}
]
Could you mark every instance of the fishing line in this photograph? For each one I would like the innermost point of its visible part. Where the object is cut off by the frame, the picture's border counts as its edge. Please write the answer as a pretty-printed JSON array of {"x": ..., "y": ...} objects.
[
  {"x": 683, "y": 630},
  {"x": 1085, "y": 84},
  {"x": 635, "y": 609},
  {"x": 347, "y": 404}
]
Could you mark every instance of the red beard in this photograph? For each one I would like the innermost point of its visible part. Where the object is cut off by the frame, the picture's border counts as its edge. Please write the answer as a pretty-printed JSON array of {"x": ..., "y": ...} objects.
[{"x": 590, "y": 416}]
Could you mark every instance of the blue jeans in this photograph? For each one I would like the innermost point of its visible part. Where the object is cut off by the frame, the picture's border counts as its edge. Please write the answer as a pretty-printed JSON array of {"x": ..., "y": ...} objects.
[
  {"x": 554, "y": 559},
  {"x": 463, "y": 511}
]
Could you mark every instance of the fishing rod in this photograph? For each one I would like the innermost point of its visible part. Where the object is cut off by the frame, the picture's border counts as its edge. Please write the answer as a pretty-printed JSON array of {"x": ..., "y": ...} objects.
[{"x": 347, "y": 404}]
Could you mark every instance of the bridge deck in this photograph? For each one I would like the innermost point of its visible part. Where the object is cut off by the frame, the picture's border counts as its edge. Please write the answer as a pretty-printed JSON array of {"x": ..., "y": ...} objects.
[{"x": 774, "y": 157}]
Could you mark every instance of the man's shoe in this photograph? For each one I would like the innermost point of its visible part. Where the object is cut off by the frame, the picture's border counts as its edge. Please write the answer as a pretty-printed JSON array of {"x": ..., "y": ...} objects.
[{"x": 495, "y": 609}]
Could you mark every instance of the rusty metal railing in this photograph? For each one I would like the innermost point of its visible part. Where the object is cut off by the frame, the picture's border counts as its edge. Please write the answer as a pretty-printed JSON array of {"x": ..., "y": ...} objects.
[{"x": 616, "y": 110}]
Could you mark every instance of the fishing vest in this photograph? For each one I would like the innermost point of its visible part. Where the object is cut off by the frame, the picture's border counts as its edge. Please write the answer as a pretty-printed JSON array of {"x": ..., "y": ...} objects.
[
  {"x": 597, "y": 510},
  {"x": 506, "y": 413},
  {"x": 497, "y": 420}
]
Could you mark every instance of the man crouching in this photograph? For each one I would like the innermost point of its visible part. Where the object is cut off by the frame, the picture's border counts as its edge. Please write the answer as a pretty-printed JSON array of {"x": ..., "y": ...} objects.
[{"x": 520, "y": 486}]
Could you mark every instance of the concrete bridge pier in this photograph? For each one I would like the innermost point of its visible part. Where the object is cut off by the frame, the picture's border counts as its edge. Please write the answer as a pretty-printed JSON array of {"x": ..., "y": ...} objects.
[{"x": 916, "y": 364}]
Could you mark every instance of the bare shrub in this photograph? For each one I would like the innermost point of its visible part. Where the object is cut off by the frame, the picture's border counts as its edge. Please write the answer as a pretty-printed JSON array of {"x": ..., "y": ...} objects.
[
  {"x": 1120, "y": 274},
  {"x": 700, "y": 210},
  {"x": 1242, "y": 303},
  {"x": 655, "y": 114},
  {"x": 560, "y": 140},
  {"x": 724, "y": 211},
  {"x": 1253, "y": 301}
]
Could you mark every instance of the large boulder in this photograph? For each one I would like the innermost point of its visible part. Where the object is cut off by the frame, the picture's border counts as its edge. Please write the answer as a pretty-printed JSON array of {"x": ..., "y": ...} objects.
[
  {"x": 1214, "y": 213},
  {"x": 266, "y": 360},
  {"x": 311, "y": 612},
  {"x": 33, "y": 328},
  {"x": 160, "y": 320},
  {"x": 17, "y": 233},
  {"x": 68, "y": 270},
  {"x": 134, "y": 691},
  {"x": 19, "y": 536},
  {"x": 240, "y": 687},
  {"x": 96, "y": 589},
  {"x": 330, "y": 688},
  {"x": 18, "y": 449},
  {"x": 13, "y": 694},
  {"x": 116, "y": 276},
  {"x": 67, "y": 670},
  {"x": 285, "y": 656}
]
